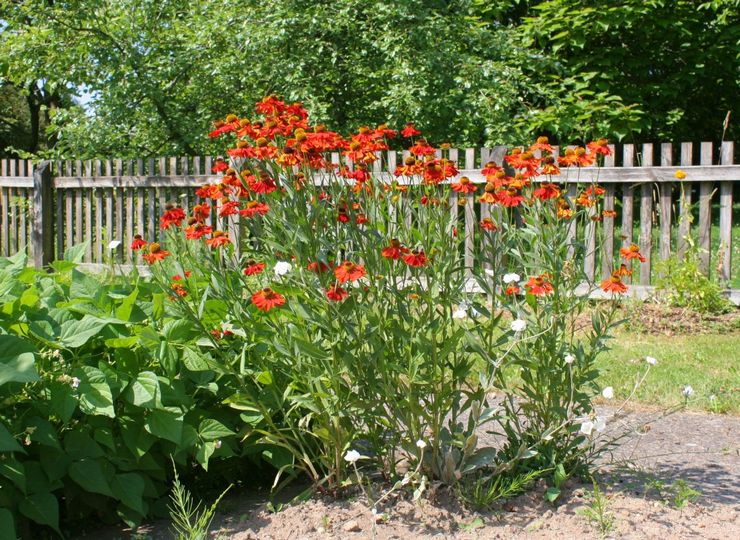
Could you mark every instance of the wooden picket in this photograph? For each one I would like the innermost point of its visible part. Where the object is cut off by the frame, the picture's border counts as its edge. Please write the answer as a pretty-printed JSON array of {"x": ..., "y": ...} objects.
[{"x": 107, "y": 202}]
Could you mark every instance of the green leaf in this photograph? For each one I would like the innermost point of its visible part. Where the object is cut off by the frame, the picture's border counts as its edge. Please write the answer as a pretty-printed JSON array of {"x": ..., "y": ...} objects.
[
  {"x": 210, "y": 430},
  {"x": 63, "y": 402},
  {"x": 194, "y": 360},
  {"x": 123, "y": 311},
  {"x": 13, "y": 470},
  {"x": 551, "y": 494},
  {"x": 8, "y": 442},
  {"x": 7, "y": 524},
  {"x": 42, "y": 508},
  {"x": 165, "y": 425},
  {"x": 17, "y": 357},
  {"x": 128, "y": 342},
  {"x": 76, "y": 333},
  {"x": 89, "y": 474},
  {"x": 129, "y": 489},
  {"x": 96, "y": 398},
  {"x": 144, "y": 391},
  {"x": 76, "y": 253},
  {"x": 178, "y": 330}
]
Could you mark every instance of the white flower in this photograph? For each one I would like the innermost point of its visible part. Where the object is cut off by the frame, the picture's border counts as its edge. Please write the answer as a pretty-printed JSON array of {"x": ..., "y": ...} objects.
[
  {"x": 421, "y": 444},
  {"x": 569, "y": 358},
  {"x": 687, "y": 391},
  {"x": 511, "y": 278},
  {"x": 114, "y": 244},
  {"x": 352, "y": 456},
  {"x": 650, "y": 360},
  {"x": 587, "y": 427},
  {"x": 217, "y": 444},
  {"x": 75, "y": 382},
  {"x": 600, "y": 424},
  {"x": 459, "y": 313},
  {"x": 608, "y": 392},
  {"x": 518, "y": 325},
  {"x": 282, "y": 268}
]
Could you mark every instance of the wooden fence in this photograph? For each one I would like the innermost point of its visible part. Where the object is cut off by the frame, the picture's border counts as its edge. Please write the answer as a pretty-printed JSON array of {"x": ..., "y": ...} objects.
[{"x": 53, "y": 206}]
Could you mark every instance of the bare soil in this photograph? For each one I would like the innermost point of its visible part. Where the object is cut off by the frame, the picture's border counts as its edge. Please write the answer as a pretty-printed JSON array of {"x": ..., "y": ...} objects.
[
  {"x": 700, "y": 449},
  {"x": 655, "y": 318}
]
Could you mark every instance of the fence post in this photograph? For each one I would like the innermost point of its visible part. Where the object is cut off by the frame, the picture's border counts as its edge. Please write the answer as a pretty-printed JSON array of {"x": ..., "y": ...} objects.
[{"x": 42, "y": 230}]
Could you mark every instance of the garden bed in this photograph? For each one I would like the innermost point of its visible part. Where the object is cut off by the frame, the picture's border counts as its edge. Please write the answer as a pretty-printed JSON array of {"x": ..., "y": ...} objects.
[{"x": 648, "y": 485}]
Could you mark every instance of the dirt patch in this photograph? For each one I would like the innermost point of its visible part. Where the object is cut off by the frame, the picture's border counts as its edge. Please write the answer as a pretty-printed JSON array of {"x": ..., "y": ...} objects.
[
  {"x": 652, "y": 318},
  {"x": 701, "y": 450}
]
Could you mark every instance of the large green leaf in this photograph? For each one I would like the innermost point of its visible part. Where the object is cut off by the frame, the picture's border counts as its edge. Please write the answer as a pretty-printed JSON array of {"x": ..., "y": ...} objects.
[
  {"x": 77, "y": 332},
  {"x": 144, "y": 390},
  {"x": 210, "y": 430},
  {"x": 17, "y": 358},
  {"x": 63, "y": 401},
  {"x": 8, "y": 442},
  {"x": 89, "y": 474},
  {"x": 96, "y": 398},
  {"x": 123, "y": 311},
  {"x": 42, "y": 508},
  {"x": 7, "y": 524},
  {"x": 75, "y": 253},
  {"x": 129, "y": 489},
  {"x": 165, "y": 425}
]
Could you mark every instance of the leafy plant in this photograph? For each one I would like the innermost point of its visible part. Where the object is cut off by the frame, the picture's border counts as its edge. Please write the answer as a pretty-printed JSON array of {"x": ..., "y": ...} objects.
[
  {"x": 189, "y": 521},
  {"x": 598, "y": 511},
  {"x": 482, "y": 490}
]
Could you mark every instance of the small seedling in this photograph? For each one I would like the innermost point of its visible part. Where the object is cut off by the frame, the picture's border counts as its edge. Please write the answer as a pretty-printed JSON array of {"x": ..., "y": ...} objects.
[
  {"x": 683, "y": 494},
  {"x": 598, "y": 512}
]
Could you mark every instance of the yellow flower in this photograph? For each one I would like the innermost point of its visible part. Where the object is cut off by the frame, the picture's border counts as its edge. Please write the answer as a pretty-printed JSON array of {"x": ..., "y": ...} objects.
[{"x": 680, "y": 175}]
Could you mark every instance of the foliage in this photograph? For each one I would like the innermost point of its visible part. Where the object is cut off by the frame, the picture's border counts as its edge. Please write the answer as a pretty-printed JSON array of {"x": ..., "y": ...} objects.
[
  {"x": 469, "y": 72},
  {"x": 483, "y": 490},
  {"x": 189, "y": 522},
  {"x": 598, "y": 512},
  {"x": 100, "y": 387},
  {"x": 681, "y": 283}
]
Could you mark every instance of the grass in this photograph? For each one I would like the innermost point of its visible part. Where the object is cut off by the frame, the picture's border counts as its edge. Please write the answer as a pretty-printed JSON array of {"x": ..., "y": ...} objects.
[{"x": 710, "y": 363}]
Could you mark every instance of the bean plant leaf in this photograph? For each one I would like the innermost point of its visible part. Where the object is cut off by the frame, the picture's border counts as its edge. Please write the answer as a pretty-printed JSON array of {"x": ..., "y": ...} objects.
[
  {"x": 210, "y": 430},
  {"x": 42, "y": 508},
  {"x": 17, "y": 358},
  {"x": 7, "y": 524},
  {"x": 89, "y": 474},
  {"x": 8, "y": 442}
]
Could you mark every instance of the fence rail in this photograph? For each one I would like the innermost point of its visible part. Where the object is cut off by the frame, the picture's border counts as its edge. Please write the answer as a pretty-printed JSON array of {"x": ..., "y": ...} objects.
[{"x": 53, "y": 206}]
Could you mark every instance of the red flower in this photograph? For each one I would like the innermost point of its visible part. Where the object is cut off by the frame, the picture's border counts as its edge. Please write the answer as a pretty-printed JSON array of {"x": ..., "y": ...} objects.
[
  {"x": 623, "y": 270},
  {"x": 138, "y": 243},
  {"x": 156, "y": 253},
  {"x": 219, "y": 166},
  {"x": 464, "y": 185},
  {"x": 253, "y": 208},
  {"x": 600, "y": 146},
  {"x": 229, "y": 208},
  {"x": 510, "y": 198},
  {"x": 614, "y": 284},
  {"x": 362, "y": 219},
  {"x": 410, "y": 131},
  {"x": 201, "y": 211},
  {"x": 394, "y": 250},
  {"x": 197, "y": 231},
  {"x": 318, "y": 267},
  {"x": 179, "y": 290},
  {"x": 547, "y": 191},
  {"x": 538, "y": 285},
  {"x": 488, "y": 224},
  {"x": 173, "y": 215},
  {"x": 512, "y": 290},
  {"x": 336, "y": 293},
  {"x": 415, "y": 259},
  {"x": 253, "y": 268},
  {"x": 542, "y": 144},
  {"x": 349, "y": 271},
  {"x": 632, "y": 252},
  {"x": 421, "y": 148},
  {"x": 264, "y": 185},
  {"x": 266, "y": 299},
  {"x": 219, "y": 239}
]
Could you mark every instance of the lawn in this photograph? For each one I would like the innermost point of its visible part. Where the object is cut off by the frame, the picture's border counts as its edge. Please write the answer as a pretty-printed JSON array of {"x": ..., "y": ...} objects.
[{"x": 709, "y": 363}]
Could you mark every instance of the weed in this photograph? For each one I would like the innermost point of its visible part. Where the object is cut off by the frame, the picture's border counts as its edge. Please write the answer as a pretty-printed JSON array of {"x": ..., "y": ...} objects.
[
  {"x": 189, "y": 522},
  {"x": 483, "y": 491},
  {"x": 598, "y": 512}
]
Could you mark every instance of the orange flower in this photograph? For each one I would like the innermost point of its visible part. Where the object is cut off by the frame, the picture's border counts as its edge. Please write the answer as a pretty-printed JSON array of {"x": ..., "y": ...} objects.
[
  {"x": 265, "y": 184},
  {"x": 254, "y": 208},
  {"x": 421, "y": 148},
  {"x": 512, "y": 290},
  {"x": 464, "y": 185},
  {"x": 489, "y": 196},
  {"x": 266, "y": 299},
  {"x": 632, "y": 252},
  {"x": 318, "y": 267},
  {"x": 138, "y": 243},
  {"x": 416, "y": 258},
  {"x": 173, "y": 215},
  {"x": 336, "y": 293},
  {"x": 394, "y": 250},
  {"x": 197, "y": 231},
  {"x": 538, "y": 285},
  {"x": 349, "y": 271},
  {"x": 614, "y": 284},
  {"x": 219, "y": 239},
  {"x": 410, "y": 131},
  {"x": 600, "y": 146},
  {"x": 549, "y": 166},
  {"x": 609, "y": 213},
  {"x": 547, "y": 191},
  {"x": 488, "y": 224},
  {"x": 543, "y": 143},
  {"x": 253, "y": 268},
  {"x": 156, "y": 253},
  {"x": 623, "y": 270},
  {"x": 179, "y": 290},
  {"x": 510, "y": 197}
]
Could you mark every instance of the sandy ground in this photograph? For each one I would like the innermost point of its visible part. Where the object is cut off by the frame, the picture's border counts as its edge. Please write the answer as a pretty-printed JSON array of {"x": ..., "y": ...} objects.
[{"x": 702, "y": 450}]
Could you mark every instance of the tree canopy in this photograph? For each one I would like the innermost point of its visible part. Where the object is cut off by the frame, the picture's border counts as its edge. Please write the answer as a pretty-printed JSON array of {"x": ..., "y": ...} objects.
[{"x": 155, "y": 73}]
